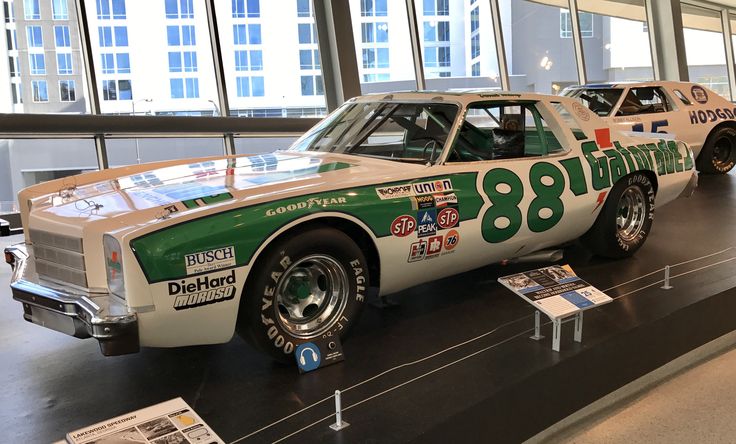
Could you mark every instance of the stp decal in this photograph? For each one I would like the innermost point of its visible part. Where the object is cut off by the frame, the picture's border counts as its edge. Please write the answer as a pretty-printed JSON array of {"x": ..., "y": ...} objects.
[
  {"x": 403, "y": 225},
  {"x": 448, "y": 217}
]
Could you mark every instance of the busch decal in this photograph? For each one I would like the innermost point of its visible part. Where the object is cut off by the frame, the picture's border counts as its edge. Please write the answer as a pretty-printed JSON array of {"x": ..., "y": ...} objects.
[{"x": 210, "y": 260}]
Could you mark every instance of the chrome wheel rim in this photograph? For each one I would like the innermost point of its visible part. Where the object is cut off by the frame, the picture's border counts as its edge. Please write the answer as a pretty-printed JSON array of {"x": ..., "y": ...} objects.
[
  {"x": 311, "y": 295},
  {"x": 631, "y": 213}
]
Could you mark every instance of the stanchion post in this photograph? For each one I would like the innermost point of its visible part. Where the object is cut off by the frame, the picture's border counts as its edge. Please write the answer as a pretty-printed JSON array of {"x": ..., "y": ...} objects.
[
  {"x": 666, "y": 285},
  {"x": 537, "y": 326},
  {"x": 339, "y": 423},
  {"x": 579, "y": 327}
]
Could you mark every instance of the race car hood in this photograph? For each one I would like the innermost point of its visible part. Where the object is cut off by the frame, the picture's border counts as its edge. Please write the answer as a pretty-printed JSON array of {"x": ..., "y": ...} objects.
[{"x": 171, "y": 191}]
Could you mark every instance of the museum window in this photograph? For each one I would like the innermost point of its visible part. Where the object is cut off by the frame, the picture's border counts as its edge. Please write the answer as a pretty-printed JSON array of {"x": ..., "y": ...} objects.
[
  {"x": 64, "y": 64},
  {"x": 60, "y": 9},
  {"x": 32, "y": 9},
  {"x": 37, "y": 63},
  {"x": 40, "y": 91},
  {"x": 620, "y": 52},
  {"x": 67, "y": 91},
  {"x": 705, "y": 49},
  {"x": 35, "y": 36},
  {"x": 538, "y": 61},
  {"x": 61, "y": 34},
  {"x": 176, "y": 9},
  {"x": 246, "y": 8}
]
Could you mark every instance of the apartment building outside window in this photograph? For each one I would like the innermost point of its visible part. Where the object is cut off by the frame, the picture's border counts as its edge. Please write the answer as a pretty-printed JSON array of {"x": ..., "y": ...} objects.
[
  {"x": 311, "y": 76},
  {"x": 67, "y": 91},
  {"x": 586, "y": 24},
  {"x": 246, "y": 8},
  {"x": 115, "y": 55},
  {"x": 248, "y": 54},
  {"x": 64, "y": 63},
  {"x": 62, "y": 39},
  {"x": 32, "y": 9},
  {"x": 60, "y": 9},
  {"x": 183, "y": 9},
  {"x": 111, "y": 9},
  {"x": 40, "y": 91}
]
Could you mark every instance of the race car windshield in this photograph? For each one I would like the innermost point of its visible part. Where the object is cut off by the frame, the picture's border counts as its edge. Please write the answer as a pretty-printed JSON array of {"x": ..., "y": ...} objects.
[
  {"x": 599, "y": 100},
  {"x": 406, "y": 132}
]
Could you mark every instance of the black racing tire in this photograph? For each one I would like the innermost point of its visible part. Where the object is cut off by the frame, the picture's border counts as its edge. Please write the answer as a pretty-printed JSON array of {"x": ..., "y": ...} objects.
[
  {"x": 625, "y": 219},
  {"x": 718, "y": 155},
  {"x": 307, "y": 286}
]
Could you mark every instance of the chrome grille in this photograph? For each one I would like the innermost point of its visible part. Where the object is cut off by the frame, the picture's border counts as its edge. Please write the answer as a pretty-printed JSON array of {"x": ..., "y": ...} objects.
[{"x": 59, "y": 257}]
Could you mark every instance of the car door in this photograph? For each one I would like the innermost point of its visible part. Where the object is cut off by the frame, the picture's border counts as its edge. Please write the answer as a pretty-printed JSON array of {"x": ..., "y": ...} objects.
[{"x": 527, "y": 176}]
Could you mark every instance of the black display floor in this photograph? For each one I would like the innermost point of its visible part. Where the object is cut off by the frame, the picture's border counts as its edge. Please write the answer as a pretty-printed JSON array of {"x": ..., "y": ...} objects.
[{"x": 452, "y": 363}]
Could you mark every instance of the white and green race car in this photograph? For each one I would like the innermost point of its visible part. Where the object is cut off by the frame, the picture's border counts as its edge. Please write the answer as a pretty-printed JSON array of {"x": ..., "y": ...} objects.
[{"x": 387, "y": 192}]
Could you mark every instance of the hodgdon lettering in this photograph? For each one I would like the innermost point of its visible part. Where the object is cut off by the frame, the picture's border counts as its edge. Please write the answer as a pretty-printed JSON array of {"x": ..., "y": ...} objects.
[{"x": 202, "y": 291}]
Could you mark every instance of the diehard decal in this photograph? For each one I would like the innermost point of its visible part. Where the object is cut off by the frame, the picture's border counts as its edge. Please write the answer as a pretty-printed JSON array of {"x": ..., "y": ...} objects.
[
  {"x": 202, "y": 291},
  {"x": 307, "y": 204},
  {"x": 435, "y": 186},
  {"x": 699, "y": 94},
  {"x": 210, "y": 260},
  {"x": 417, "y": 251},
  {"x": 427, "y": 222},
  {"x": 448, "y": 217},
  {"x": 441, "y": 200},
  {"x": 403, "y": 225},
  {"x": 395, "y": 192}
]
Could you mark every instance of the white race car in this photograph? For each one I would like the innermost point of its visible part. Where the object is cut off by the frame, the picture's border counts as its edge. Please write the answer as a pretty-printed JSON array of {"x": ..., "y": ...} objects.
[
  {"x": 692, "y": 113},
  {"x": 387, "y": 192}
]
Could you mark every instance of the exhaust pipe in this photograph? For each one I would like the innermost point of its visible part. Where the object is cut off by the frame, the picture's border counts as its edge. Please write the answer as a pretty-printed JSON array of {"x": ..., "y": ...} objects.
[{"x": 537, "y": 256}]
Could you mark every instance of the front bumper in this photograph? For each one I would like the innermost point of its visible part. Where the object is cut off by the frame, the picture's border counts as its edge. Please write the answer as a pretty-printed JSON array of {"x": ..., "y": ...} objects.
[{"x": 68, "y": 310}]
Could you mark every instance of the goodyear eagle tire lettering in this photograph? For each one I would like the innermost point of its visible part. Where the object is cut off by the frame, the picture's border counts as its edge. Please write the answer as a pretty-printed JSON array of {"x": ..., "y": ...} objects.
[
  {"x": 718, "y": 155},
  {"x": 624, "y": 222},
  {"x": 305, "y": 286}
]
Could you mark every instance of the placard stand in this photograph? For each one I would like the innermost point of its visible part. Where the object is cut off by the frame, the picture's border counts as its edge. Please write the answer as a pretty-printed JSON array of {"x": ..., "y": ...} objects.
[
  {"x": 558, "y": 293},
  {"x": 557, "y": 328}
]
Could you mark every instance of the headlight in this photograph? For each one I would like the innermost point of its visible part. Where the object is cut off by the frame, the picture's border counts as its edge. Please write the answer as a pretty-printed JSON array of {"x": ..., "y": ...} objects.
[{"x": 114, "y": 265}]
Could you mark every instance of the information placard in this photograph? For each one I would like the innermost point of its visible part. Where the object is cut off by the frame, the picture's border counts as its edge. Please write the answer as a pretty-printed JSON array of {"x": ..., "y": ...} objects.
[
  {"x": 555, "y": 291},
  {"x": 171, "y": 422}
]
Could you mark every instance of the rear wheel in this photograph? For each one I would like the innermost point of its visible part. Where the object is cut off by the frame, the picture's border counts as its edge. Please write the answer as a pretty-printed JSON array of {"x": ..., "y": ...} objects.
[
  {"x": 718, "y": 155},
  {"x": 306, "y": 286},
  {"x": 625, "y": 219}
]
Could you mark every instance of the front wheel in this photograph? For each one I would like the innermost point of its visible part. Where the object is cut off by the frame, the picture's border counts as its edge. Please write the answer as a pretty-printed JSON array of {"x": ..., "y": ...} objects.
[
  {"x": 625, "y": 219},
  {"x": 306, "y": 286},
  {"x": 718, "y": 155}
]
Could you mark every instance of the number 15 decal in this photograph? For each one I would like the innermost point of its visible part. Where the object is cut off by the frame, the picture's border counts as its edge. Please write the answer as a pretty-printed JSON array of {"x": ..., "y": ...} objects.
[{"x": 656, "y": 125}]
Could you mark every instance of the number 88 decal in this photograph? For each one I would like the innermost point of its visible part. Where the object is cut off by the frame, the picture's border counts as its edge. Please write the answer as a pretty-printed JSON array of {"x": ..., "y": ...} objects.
[{"x": 505, "y": 191}]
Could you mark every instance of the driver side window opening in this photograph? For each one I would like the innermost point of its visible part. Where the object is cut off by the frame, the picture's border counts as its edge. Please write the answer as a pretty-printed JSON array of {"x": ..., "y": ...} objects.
[
  {"x": 501, "y": 130},
  {"x": 646, "y": 100}
]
